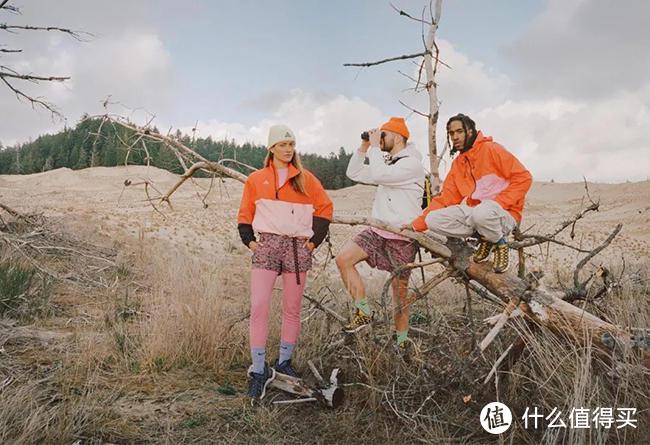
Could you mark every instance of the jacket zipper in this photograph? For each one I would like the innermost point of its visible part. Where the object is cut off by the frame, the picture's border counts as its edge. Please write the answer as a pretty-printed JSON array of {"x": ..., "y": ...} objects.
[{"x": 471, "y": 172}]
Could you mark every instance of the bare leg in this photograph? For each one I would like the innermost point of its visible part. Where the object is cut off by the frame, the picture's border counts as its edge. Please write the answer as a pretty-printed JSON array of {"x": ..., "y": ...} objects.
[
  {"x": 401, "y": 304},
  {"x": 346, "y": 261}
]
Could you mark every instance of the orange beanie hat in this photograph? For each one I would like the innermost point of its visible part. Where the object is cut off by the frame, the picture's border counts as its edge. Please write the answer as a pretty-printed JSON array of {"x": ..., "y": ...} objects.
[{"x": 397, "y": 125}]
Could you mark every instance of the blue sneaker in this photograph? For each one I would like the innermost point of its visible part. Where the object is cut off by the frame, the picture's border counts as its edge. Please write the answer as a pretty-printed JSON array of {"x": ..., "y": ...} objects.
[
  {"x": 286, "y": 369},
  {"x": 259, "y": 381}
]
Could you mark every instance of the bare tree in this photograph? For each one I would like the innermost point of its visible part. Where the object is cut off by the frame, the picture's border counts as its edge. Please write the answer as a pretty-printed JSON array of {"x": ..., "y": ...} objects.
[
  {"x": 429, "y": 60},
  {"x": 12, "y": 78}
]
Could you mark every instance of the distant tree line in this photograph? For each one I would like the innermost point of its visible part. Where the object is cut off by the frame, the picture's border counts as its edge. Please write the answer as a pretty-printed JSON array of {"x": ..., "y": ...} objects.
[{"x": 79, "y": 147}]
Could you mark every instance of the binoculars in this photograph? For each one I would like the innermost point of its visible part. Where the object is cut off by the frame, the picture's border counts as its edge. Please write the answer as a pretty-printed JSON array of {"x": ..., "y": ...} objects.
[{"x": 366, "y": 137}]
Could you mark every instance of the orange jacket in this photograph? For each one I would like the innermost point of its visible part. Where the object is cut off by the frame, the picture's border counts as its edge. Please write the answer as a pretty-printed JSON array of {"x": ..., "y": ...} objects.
[
  {"x": 265, "y": 207},
  {"x": 485, "y": 171}
]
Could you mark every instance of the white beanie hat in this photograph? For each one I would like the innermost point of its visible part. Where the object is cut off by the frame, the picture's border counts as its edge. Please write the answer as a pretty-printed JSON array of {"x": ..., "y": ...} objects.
[{"x": 280, "y": 133}]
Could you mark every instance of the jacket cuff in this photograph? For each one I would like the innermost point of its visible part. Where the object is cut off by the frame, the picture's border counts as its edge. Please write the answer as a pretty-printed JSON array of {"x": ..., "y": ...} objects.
[
  {"x": 246, "y": 233},
  {"x": 320, "y": 226}
]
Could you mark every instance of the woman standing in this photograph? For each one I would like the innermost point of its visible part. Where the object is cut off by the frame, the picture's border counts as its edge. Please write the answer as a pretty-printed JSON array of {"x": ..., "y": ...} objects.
[{"x": 289, "y": 209}]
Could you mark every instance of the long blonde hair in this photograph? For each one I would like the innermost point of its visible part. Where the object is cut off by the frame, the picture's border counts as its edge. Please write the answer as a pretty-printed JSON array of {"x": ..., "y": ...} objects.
[{"x": 298, "y": 181}]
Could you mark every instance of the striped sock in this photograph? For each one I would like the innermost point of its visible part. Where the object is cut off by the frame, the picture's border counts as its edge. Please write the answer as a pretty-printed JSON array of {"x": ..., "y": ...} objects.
[
  {"x": 363, "y": 306},
  {"x": 402, "y": 336}
]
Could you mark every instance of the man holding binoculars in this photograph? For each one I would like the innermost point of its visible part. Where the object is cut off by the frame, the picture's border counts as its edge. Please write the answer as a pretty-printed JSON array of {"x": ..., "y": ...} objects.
[{"x": 400, "y": 181}]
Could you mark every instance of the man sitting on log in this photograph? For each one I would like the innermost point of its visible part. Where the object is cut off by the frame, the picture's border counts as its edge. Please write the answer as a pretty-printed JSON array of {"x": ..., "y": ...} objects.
[
  {"x": 400, "y": 180},
  {"x": 494, "y": 184}
]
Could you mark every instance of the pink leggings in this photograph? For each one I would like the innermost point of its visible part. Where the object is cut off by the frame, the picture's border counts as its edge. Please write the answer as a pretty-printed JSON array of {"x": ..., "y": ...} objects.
[{"x": 262, "y": 282}]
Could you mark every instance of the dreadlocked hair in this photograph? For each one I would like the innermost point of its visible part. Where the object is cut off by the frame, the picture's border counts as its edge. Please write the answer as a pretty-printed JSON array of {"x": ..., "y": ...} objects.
[{"x": 468, "y": 124}]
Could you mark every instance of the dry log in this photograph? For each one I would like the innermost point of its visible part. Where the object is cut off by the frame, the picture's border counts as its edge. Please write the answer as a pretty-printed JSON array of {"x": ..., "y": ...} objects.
[{"x": 331, "y": 396}]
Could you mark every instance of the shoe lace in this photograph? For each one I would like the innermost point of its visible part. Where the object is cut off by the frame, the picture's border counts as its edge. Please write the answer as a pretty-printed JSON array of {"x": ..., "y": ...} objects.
[
  {"x": 484, "y": 248},
  {"x": 360, "y": 317},
  {"x": 501, "y": 256}
]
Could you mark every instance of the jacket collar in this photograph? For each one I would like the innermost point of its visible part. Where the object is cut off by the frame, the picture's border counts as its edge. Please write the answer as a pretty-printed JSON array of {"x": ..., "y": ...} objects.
[
  {"x": 291, "y": 173},
  {"x": 473, "y": 152}
]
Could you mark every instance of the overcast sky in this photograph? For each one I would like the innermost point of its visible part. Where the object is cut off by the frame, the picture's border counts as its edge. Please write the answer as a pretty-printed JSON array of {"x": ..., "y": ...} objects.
[{"x": 563, "y": 84}]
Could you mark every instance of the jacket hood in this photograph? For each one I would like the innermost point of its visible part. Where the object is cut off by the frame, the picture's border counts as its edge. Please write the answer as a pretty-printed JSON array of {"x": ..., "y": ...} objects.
[{"x": 480, "y": 139}]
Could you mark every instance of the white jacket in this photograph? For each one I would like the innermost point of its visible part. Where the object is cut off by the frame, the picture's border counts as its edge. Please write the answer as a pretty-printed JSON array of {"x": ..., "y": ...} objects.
[{"x": 400, "y": 183}]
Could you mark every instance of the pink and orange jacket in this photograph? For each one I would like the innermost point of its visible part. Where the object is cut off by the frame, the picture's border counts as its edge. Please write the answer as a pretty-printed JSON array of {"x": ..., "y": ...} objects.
[
  {"x": 487, "y": 171},
  {"x": 267, "y": 208}
]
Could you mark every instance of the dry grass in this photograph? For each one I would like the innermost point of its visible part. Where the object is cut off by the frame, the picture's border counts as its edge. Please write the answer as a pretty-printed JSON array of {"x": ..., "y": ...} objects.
[{"x": 162, "y": 359}]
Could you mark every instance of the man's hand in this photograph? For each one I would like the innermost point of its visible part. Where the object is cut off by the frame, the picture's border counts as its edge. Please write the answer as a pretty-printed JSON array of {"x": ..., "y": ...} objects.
[
  {"x": 309, "y": 245},
  {"x": 406, "y": 226},
  {"x": 365, "y": 145},
  {"x": 375, "y": 136}
]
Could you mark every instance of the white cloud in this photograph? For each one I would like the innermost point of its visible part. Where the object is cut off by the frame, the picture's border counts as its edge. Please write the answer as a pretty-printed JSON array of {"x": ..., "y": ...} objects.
[
  {"x": 135, "y": 68},
  {"x": 561, "y": 139},
  {"x": 322, "y": 123}
]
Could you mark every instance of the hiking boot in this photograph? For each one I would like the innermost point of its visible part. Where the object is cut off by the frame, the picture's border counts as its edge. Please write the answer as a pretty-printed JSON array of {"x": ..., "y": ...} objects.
[
  {"x": 359, "y": 321},
  {"x": 286, "y": 368},
  {"x": 483, "y": 251},
  {"x": 404, "y": 350},
  {"x": 259, "y": 381},
  {"x": 501, "y": 260}
]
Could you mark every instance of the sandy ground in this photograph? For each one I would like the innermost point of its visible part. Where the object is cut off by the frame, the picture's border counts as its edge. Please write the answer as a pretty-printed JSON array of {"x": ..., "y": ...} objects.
[{"x": 96, "y": 201}]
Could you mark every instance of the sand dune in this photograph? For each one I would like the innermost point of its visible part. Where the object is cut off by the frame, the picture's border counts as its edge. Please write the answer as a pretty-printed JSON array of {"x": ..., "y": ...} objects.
[{"x": 95, "y": 199}]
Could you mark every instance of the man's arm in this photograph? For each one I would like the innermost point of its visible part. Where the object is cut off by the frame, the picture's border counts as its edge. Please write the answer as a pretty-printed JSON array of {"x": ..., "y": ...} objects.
[
  {"x": 357, "y": 170},
  {"x": 519, "y": 177},
  {"x": 405, "y": 171}
]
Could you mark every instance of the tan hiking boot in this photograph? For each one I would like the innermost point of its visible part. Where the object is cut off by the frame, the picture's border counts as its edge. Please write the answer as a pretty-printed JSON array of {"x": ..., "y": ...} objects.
[
  {"x": 358, "y": 321},
  {"x": 483, "y": 251},
  {"x": 501, "y": 260}
]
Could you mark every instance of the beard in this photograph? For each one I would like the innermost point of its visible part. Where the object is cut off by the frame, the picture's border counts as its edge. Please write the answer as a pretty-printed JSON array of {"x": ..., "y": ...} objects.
[{"x": 384, "y": 147}]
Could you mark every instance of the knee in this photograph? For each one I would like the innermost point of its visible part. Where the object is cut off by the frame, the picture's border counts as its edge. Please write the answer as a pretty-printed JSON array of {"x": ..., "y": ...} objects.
[
  {"x": 483, "y": 214},
  {"x": 344, "y": 260},
  {"x": 340, "y": 260},
  {"x": 436, "y": 218}
]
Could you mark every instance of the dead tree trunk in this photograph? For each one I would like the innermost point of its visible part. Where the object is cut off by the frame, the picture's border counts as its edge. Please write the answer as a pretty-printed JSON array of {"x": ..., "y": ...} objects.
[{"x": 431, "y": 68}]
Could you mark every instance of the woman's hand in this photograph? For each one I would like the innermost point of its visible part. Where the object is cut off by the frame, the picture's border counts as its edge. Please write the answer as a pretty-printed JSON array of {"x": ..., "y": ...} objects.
[
  {"x": 253, "y": 245},
  {"x": 310, "y": 246}
]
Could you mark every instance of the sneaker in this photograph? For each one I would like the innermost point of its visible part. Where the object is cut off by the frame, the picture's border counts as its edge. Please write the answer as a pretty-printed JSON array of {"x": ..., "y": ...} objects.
[
  {"x": 501, "y": 260},
  {"x": 359, "y": 321},
  {"x": 259, "y": 381},
  {"x": 286, "y": 368},
  {"x": 483, "y": 251}
]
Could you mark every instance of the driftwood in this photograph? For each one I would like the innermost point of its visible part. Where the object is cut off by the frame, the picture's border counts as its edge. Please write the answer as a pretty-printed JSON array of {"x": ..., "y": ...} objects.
[{"x": 330, "y": 395}]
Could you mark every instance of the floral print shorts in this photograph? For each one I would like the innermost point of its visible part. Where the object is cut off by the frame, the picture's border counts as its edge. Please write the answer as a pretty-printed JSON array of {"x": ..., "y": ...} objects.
[
  {"x": 281, "y": 254},
  {"x": 386, "y": 254}
]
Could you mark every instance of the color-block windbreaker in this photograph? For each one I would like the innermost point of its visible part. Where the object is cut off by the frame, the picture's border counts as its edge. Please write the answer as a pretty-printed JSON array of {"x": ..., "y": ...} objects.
[
  {"x": 485, "y": 171},
  {"x": 267, "y": 208}
]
